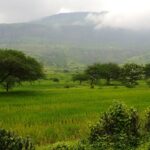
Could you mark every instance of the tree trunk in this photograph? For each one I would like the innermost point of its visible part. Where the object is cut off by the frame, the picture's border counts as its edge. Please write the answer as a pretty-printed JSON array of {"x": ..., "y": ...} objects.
[
  {"x": 92, "y": 84},
  {"x": 7, "y": 87},
  {"x": 80, "y": 82},
  {"x": 108, "y": 81}
]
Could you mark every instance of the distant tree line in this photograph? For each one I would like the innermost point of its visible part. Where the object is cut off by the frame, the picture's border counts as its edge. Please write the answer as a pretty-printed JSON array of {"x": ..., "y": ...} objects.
[{"x": 127, "y": 75}]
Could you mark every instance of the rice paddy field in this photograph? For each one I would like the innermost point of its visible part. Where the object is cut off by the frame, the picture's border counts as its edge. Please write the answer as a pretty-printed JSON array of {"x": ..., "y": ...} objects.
[{"x": 48, "y": 112}]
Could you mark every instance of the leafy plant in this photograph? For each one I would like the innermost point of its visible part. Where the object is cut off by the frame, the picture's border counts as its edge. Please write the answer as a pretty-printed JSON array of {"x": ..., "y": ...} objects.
[
  {"x": 118, "y": 128},
  {"x": 9, "y": 141}
]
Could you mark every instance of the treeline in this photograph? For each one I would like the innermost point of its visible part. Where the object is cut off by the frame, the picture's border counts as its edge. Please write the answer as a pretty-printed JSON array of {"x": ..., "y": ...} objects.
[{"x": 128, "y": 74}]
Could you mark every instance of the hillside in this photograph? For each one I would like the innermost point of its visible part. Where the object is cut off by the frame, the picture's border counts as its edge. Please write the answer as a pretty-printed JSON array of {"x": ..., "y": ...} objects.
[{"x": 71, "y": 39}]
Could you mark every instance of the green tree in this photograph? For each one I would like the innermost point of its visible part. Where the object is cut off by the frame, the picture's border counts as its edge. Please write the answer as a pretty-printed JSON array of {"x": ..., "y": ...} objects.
[
  {"x": 16, "y": 67},
  {"x": 93, "y": 73},
  {"x": 80, "y": 77},
  {"x": 147, "y": 74},
  {"x": 110, "y": 71},
  {"x": 130, "y": 74},
  {"x": 147, "y": 71}
]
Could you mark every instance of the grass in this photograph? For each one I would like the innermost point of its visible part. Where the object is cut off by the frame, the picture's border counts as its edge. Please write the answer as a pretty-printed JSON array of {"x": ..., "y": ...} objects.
[{"x": 49, "y": 113}]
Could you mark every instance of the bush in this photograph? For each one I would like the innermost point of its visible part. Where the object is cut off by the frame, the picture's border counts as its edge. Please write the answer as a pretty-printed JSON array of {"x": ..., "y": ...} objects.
[
  {"x": 69, "y": 85},
  {"x": 117, "y": 129},
  {"x": 147, "y": 120},
  {"x": 54, "y": 79},
  {"x": 63, "y": 146},
  {"x": 9, "y": 141},
  {"x": 82, "y": 145}
]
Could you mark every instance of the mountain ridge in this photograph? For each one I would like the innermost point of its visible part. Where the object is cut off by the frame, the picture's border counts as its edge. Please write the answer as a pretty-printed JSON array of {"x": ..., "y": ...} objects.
[{"x": 65, "y": 39}]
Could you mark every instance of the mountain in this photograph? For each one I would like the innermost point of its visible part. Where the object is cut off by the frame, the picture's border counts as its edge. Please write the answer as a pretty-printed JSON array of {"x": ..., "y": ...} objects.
[{"x": 70, "y": 39}]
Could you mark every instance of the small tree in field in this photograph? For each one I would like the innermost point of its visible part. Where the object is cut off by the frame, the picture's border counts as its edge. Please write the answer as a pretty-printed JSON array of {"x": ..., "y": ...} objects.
[
  {"x": 147, "y": 73},
  {"x": 9, "y": 83},
  {"x": 93, "y": 73},
  {"x": 130, "y": 74},
  {"x": 16, "y": 67},
  {"x": 110, "y": 72},
  {"x": 81, "y": 77}
]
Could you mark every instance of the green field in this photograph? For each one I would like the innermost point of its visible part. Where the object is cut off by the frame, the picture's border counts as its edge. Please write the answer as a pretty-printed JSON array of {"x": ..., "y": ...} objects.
[{"x": 48, "y": 112}]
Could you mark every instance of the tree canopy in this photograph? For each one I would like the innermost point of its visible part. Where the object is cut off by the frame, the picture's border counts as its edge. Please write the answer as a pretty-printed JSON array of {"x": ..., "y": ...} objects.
[
  {"x": 130, "y": 74},
  {"x": 15, "y": 66}
]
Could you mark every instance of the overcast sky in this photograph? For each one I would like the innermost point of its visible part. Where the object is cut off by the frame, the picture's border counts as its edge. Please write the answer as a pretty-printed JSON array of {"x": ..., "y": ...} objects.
[{"x": 125, "y": 13}]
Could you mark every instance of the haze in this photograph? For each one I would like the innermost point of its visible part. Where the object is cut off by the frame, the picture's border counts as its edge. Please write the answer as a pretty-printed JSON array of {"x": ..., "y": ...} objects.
[{"x": 129, "y": 14}]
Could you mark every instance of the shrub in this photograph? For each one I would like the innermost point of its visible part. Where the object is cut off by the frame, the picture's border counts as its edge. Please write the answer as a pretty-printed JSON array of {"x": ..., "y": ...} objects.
[
  {"x": 118, "y": 128},
  {"x": 9, "y": 141},
  {"x": 82, "y": 145},
  {"x": 147, "y": 120},
  {"x": 63, "y": 146},
  {"x": 54, "y": 79},
  {"x": 69, "y": 85}
]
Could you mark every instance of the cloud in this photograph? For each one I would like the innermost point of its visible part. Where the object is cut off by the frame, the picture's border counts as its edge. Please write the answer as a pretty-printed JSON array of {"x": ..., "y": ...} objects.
[
  {"x": 64, "y": 10},
  {"x": 127, "y": 14},
  {"x": 26, "y": 10},
  {"x": 131, "y": 14},
  {"x": 117, "y": 20}
]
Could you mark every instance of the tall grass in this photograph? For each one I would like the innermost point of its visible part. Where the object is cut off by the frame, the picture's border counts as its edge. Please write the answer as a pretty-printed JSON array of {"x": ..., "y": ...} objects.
[{"x": 48, "y": 112}]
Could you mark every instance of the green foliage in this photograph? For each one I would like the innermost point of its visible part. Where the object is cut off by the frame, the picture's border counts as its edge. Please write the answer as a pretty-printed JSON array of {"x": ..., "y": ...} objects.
[
  {"x": 81, "y": 145},
  {"x": 49, "y": 113},
  {"x": 80, "y": 77},
  {"x": 147, "y": 71},
  {"x": 63, "y": 146},
  {"x": 118, "y": 128},
  {"x": 9, "y": 141},
  {"x": 110, "y": 72},
  {"x": 55, "y": 79},
  {"x": 147, "y": 120},
  {"x": 9, "y": 82},
  {"x": 15, "y": 66},
  {"x": 130, "y": 74},
  {"x": 93, "y": 73},
  {"x": 147, "y": 74}
]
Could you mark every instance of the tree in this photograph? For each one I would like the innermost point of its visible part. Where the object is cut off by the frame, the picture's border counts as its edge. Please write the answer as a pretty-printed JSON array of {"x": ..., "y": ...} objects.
[
  {"x": 9, "y": 82},
  {"x": 80, "y": 77},
  {"x": 147, "y": 74},
  {"x": 147, "y": 71},
  {"x": 110, "y": 72},
  {"x": 130, "y": 73},
  {"x": 16, "y": 67},
  {"x": 93, "y": 73}
]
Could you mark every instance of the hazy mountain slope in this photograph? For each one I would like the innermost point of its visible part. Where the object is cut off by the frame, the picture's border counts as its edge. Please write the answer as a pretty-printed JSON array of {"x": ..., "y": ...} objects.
[{"x": 65, "y": 39}]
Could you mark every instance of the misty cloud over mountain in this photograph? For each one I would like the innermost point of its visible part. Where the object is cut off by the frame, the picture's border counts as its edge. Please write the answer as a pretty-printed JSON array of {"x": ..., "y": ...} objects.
[{"x": 77, "y": 38}]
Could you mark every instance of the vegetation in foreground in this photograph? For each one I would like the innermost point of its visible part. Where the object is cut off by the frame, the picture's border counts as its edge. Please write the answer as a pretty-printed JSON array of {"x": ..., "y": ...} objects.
[
  {"x": 10, "y": 141},
  {"x": 49, "y": 113},
  {"x": 119, "y": 128}
]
